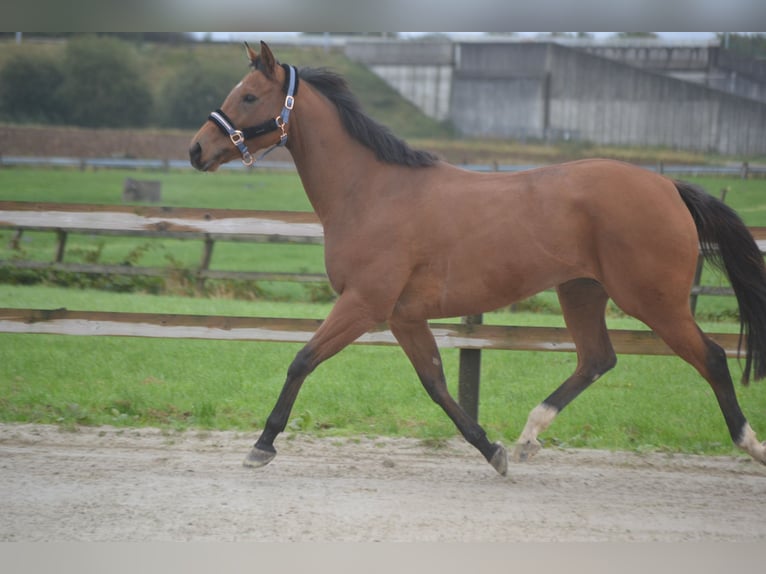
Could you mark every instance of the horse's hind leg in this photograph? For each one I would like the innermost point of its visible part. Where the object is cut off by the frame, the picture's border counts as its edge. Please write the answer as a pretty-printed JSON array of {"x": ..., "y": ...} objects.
[
  {"x": 583, "y": 303},
  {"x": 681, "y": 333},
  {"x": 418, "y": 343}
]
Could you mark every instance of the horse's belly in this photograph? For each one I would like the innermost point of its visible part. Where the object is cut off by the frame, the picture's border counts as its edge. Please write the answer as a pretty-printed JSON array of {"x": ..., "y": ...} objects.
[{"x": 478, "y": 286}]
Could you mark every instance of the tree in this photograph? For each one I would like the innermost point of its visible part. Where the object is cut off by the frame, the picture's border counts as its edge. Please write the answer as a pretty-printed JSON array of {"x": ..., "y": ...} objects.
[
  {"x": 638, "y": 35},
  {"x": 28, "y": 88},
  {"x": 192, "y": 93},
  {"x": 749, "y": 45},
  {"x": 103, "y": 85}
]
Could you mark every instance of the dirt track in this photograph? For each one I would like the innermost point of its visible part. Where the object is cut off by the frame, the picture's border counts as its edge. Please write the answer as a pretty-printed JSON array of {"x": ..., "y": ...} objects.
[{"x": 106, "y": 484}]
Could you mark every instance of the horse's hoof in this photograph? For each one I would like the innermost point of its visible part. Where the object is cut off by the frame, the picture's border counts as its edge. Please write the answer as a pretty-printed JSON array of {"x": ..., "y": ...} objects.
[
  {"x": 257, "y": 457},
  {"x": 499, "y": 460},
  {"x": 525, "y": 450}
]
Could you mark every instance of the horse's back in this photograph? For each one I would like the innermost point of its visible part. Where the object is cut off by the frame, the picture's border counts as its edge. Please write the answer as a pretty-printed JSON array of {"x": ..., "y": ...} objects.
[
  {"x": 494, "y": 238},
  {"x": 583, "y": 206},
  {"x": 639, "y": 237}
]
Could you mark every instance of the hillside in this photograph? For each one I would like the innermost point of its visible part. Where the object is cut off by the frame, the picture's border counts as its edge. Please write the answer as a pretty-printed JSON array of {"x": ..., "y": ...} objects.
[{"x": 160, "y": 63}]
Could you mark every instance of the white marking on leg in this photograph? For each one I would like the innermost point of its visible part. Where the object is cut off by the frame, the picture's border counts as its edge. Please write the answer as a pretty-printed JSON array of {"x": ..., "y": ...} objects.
[
  {"x": 539, "y": 419},
  {"x": 749, "y": 443}
]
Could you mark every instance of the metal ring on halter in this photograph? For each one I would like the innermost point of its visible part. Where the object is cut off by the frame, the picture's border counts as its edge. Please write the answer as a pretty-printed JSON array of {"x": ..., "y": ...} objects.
[{"x": 282, "y": 125}]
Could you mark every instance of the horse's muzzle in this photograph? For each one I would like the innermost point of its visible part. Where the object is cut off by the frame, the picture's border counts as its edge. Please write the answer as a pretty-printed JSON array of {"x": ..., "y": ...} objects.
[{"x": 195, "y": 156}]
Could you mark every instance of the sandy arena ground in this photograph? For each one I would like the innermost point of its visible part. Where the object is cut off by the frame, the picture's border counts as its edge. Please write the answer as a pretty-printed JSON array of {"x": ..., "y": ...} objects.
[{"x": 107, "y": 484}]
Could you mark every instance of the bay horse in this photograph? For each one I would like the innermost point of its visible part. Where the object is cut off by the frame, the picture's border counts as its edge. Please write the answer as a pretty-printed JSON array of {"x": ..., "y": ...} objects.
[{"x": 410, "y": 238}]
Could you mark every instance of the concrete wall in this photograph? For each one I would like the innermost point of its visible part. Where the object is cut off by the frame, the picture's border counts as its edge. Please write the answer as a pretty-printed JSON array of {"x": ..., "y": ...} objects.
[
  {"x": 734, "y": 83},
  {"x": 743, "y": 76},
  {"x": 420, "y": 71},
  {"x": 498, "y": 107},
  {"x": 398, "y": 53},
  {"x": 428, "y": 87},
  {"x": 498, "y": 92},
  {"x": 606, "y": 102},
  {"x": 545, "y": 90},
  {"x": 708, "y": 65},
  {"x": 651, "y": 56}
]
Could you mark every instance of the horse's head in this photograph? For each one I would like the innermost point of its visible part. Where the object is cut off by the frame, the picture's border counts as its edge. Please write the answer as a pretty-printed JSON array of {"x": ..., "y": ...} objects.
[{"x": 253, "y": 116}]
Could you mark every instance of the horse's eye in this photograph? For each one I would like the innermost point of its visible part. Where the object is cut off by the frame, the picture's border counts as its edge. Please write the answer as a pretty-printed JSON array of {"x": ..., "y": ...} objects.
[{"x": 249, "y": 98}]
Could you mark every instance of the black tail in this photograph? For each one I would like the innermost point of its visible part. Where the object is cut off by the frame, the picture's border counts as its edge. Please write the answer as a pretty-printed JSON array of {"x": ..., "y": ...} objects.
[{"x": 726, "y": 241}]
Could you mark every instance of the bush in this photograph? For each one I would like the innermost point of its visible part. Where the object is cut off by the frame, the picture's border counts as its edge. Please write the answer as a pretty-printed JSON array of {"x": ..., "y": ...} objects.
[
  {"x": 103, "y": 85},
  {"x": 28, "y": 89},
  {"x": 192, "y": 93}
]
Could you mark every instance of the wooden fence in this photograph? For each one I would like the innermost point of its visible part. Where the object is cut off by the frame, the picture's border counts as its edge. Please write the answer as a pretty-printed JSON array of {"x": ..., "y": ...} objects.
[
  {"x": 205, "y": 225},
  {"x": 212, "y": 225}
]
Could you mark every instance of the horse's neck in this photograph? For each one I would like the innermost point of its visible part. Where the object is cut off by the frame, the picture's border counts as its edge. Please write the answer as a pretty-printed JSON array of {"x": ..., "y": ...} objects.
[{"x": 329, "y": 161}]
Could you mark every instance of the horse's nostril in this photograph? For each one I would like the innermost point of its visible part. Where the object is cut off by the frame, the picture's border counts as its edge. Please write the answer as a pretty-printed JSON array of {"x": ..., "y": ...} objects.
[{"x": 195, "y": 153}]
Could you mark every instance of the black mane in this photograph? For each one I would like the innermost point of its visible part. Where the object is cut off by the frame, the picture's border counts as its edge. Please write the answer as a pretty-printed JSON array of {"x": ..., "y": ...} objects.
[{"x": 387, "y": 147}]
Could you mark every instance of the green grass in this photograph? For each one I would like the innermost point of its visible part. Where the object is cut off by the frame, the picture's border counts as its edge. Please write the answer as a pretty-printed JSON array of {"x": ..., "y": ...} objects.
[
  {"x": 647, "y": 403},
  {"x": 257, "y": 189},
  {"x": 253, "y": 190},
  {"x": 655, "y": 403}
]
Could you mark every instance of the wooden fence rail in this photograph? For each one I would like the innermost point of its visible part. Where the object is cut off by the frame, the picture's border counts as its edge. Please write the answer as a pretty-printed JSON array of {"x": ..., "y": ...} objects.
[
  {"x": 448, "y": 335},
  {"x": 205, "y": 225},
  {"x": 211, "y": 225},
  {"x": 469, "y": 337}
]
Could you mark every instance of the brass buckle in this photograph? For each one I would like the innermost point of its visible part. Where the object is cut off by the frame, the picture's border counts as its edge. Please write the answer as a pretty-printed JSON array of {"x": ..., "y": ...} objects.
[
  {"x": 282, "y": 126},
  {"x": 237, "y": 137}
]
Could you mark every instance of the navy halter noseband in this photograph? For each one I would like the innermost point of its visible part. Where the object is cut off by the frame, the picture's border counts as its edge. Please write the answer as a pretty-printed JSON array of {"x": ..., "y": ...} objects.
[{"x": 238, "y": 137}]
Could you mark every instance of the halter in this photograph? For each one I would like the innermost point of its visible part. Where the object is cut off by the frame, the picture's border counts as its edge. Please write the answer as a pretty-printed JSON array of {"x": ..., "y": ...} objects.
[{"x": 238, "y": 137}]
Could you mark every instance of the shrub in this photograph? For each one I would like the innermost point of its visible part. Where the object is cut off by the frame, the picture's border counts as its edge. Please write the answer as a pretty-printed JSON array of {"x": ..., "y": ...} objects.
[
  {"x": 192, "y": 93},
  {"x": 103, "y": 85},
  {"x": 28, "y": 89}
]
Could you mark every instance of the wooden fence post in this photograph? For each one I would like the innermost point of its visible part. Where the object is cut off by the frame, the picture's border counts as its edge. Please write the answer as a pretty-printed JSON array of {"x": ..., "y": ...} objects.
[
  {"x": 15, "y": 243},
  {"x": 61, "y": 245},
  {"x": 207, "y": 255},
  {"x": 470, "y": 374},
  {"x": 700, "y": 266},
  {"x": 697, "y": 278},
  {"x": 141, "y": 190}
]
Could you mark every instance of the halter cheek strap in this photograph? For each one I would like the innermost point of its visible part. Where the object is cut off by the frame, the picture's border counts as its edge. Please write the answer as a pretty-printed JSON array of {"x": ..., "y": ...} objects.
[{"x": 238, "y": 137}]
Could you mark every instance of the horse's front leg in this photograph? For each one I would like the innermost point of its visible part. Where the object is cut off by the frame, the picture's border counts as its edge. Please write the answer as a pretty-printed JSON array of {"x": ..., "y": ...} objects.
[
  {"x": 348, "y": 320},
  {"x": 418, "y": 343}
]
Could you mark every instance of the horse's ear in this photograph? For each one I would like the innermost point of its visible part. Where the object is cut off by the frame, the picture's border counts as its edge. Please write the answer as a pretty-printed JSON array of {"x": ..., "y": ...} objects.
[
  {"x": 264, "y": 61},
  {"x": 268, "y": 62},
  {"x": 252, "y": 56}
]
